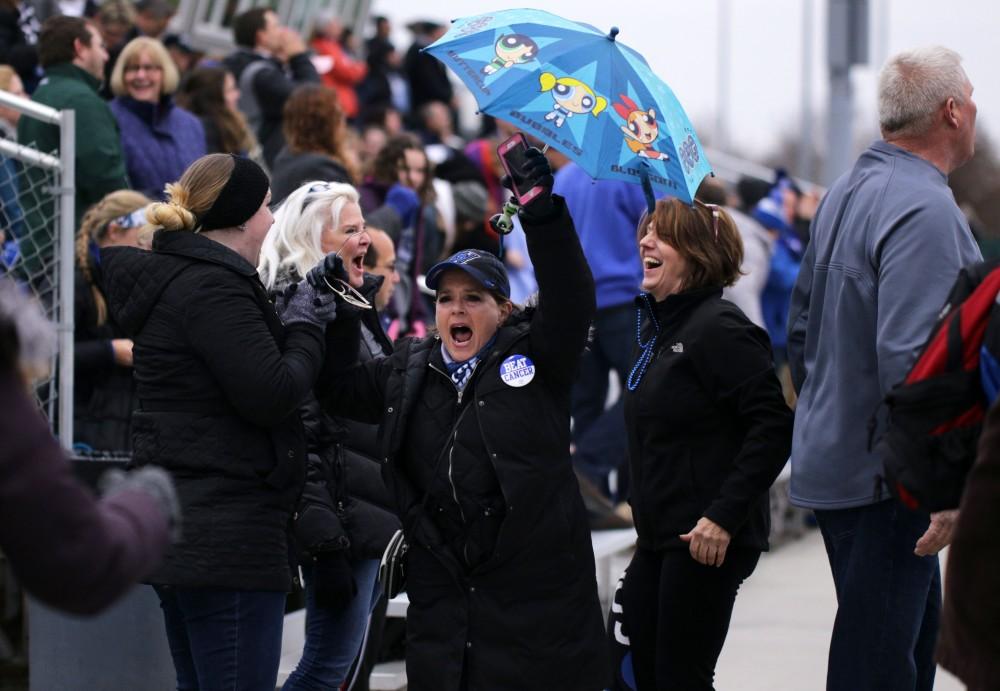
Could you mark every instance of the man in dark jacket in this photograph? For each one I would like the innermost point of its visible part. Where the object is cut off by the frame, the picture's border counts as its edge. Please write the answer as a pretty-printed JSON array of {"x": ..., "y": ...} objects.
[
  {"x": 73, "y": 54},
  {"x": 427, "y": 76},
  {"x": 269, "y": 62}
]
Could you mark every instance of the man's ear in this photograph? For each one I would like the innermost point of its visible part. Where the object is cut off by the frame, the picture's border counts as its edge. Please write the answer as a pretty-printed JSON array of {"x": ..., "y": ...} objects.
[
  {"x": 78, "y": 47},
  {"x": 951, "y": 112}
]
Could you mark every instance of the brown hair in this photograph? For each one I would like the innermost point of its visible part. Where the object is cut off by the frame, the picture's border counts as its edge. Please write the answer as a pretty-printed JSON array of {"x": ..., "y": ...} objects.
[
  {"x": 158, "y": 54},
  {"x": 313, "y": 121},
  {"x": 203, "y": 94},
  {"x": 713, "y": 258},
  {"x": 194, "y": 194},
  {"x": 392, "y": 157},
  {"x": 247, "y": 24},
  {"x": 94, "y": 227},
  {"x": 56, "y": 40}
]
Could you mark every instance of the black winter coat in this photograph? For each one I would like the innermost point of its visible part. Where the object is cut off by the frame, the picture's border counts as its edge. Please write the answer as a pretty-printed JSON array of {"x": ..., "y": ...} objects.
[
  {"x": 526, "y": 614},
  {"x": 708, "y": 427},
  {"x": 219, "y": 382},
  {"x": 345, "y": 504},
  {"x": 103, "y": 391},
  {"x": 290, "y": 171}
]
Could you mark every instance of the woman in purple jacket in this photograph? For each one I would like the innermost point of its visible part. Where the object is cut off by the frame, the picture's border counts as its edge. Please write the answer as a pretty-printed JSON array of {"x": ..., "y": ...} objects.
[{"x": 159, "y": 138}]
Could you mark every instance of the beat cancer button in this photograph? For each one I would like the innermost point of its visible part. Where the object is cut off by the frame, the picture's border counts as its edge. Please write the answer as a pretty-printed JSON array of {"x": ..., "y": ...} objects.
[{"x": 517, "y": 371}]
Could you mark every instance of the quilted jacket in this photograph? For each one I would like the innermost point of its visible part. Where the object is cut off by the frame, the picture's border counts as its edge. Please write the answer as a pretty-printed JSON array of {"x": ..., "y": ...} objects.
[
  {"x": 500, "y": 567},
  {"x": 160, "y": 140},
  {"x": 218, "y": 382}
]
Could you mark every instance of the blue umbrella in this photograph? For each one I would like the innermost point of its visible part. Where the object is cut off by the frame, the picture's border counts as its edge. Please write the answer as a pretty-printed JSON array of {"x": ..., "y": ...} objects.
[{"x": 579, "y": 90}]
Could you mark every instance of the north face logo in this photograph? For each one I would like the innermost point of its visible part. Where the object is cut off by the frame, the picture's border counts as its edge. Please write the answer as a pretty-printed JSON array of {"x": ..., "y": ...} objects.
[{"x": 677, "y": 347}]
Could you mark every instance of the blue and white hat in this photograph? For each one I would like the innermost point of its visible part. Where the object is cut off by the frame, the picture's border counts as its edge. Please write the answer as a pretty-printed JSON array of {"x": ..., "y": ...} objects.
[{"x": 485, "y": 268}]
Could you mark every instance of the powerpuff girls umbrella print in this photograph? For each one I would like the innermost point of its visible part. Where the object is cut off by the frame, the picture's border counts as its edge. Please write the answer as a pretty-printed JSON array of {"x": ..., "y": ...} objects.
[{"x": 579, "y": 90}]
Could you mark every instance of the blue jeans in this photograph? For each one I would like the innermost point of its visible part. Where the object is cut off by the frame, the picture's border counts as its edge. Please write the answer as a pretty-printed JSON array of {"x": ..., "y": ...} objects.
[
  {"x": 599, "y": 434},
  {"x": 888, "y": 599},
  {"x": 334, "y": 638},
  {"x": 222, "y": 640}
]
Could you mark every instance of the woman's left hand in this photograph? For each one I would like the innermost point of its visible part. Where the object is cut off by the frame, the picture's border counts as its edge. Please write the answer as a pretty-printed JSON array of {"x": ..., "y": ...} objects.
[{"x": 708, "y": 542}]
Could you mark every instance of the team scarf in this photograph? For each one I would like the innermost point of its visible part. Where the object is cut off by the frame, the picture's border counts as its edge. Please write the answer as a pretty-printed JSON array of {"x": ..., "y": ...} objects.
[{"x": 461, "y": 372}]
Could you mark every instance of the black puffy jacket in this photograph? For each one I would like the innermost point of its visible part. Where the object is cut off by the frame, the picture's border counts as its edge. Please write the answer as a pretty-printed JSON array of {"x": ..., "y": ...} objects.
[
  {"x": 524, "y": 614},
  {"x": 345, "y": 504},
  {"x": 103, "y": 391},
  {"x": 219, "y": 382}
]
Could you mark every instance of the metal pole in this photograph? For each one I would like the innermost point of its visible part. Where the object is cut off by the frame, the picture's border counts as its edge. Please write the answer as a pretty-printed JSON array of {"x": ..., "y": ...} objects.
[
  {"x": 805, "y": 152},
  {"x": 66, "y": 235},
  {"x": 722, "y": 79}
]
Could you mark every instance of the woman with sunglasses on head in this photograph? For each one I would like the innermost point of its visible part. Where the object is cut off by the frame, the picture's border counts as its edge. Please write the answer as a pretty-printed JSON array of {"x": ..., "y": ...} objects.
[
  {"x": 219, "y": 381},
  {"x": 344, "y": 520},
  {"x": 475, "y": 446},
  {"x": 102, "y": 372},
  {"x": 708, "y": 432}
]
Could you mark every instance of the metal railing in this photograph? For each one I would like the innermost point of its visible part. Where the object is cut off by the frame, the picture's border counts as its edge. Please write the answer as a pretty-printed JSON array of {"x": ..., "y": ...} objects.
[{"x": 54, "y": 284}]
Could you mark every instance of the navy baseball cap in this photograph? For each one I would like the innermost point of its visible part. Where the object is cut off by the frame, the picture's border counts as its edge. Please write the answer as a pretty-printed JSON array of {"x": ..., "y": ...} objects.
[{"x": 485, "y": 268}]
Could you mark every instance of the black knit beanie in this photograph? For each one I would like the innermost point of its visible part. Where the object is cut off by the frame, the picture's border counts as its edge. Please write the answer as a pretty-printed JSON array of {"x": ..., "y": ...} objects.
[{"x": 240, "y": 198}]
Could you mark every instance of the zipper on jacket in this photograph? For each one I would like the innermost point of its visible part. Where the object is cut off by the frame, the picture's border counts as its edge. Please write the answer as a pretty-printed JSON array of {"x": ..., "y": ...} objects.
[
  {"x": 453, "y": 441},
  {"x": 451, "y": 479}
]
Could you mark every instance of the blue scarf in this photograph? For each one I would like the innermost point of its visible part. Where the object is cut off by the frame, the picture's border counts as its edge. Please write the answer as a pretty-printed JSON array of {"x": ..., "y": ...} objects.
[{"x": 461, "y": 372}]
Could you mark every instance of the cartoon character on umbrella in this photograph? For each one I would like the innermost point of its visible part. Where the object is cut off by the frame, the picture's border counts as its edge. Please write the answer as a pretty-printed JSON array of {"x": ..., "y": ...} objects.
[
  {"x": 640, "y": 128},
  {"x": 570, "y": 97},
  {"x": 511, "y": 49}
]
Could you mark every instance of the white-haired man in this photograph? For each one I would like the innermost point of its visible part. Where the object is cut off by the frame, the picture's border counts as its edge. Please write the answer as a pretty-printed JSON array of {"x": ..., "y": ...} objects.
[{"x": 886, "y": 245}]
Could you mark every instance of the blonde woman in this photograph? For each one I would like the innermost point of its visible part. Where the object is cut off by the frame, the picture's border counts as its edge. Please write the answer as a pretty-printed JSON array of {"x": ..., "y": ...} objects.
[
  {"x": 103, "y": 385},
  {"x": 219, "y": 381},
  {"x": 159, "y": 138}
]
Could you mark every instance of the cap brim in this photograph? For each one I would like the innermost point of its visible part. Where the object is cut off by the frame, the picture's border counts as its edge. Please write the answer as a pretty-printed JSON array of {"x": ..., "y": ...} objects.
[{"x": 433, "y": 278}]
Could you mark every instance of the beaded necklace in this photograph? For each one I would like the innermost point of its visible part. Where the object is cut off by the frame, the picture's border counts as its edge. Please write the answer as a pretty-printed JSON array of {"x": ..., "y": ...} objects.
[{"x": 646, "y": 356}]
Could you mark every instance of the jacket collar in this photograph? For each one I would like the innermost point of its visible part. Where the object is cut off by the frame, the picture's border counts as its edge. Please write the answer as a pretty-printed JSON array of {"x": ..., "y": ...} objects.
[
  {"x": 71, "y": 71},
  {"x": 673, "y": 306},
  {"x": 149, "y": 112},
  {"x": 194, "y": 246},
  {"x": 888, "y": 149}
]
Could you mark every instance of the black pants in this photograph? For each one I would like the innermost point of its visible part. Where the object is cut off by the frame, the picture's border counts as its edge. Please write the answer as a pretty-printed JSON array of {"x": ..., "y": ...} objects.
[{"x": 676, "y": 615}]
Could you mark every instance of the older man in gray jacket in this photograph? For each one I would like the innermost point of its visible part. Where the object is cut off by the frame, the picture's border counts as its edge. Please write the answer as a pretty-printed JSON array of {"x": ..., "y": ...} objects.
[{"x": 886, "y": 245}]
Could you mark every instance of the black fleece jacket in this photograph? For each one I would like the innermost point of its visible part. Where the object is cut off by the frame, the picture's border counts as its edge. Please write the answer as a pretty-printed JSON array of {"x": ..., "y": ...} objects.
[{"x": 708, "y": 427}]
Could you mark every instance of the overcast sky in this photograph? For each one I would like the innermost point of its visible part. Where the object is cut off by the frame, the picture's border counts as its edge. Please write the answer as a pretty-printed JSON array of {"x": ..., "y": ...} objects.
[{"x": 680, "y": 40}]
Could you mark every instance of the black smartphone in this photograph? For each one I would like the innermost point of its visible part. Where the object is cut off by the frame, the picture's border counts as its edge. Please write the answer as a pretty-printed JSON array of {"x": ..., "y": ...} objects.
[{"x": 512, "y": 158}]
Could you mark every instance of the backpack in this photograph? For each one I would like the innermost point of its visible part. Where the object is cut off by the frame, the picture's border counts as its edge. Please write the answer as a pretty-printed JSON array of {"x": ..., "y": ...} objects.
[
  {"x": 248, "y": 103},
  {"x": 936, "y": 414}
]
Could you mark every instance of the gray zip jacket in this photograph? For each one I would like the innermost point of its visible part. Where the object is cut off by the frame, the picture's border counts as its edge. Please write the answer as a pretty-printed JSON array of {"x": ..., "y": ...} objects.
[{"x": 886, "y": 245}]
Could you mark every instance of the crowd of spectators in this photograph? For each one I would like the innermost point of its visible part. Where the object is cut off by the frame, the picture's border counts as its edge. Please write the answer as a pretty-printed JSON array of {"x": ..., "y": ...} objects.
[{"x": 373, "y": 117}]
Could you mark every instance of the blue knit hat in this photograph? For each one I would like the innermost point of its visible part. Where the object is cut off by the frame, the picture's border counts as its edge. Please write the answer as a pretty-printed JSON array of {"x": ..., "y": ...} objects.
[{"x": 770, "y": 211}]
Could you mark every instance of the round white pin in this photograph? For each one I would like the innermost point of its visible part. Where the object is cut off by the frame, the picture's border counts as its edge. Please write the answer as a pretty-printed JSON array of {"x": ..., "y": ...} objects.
[{"x": 517, "y": 371}]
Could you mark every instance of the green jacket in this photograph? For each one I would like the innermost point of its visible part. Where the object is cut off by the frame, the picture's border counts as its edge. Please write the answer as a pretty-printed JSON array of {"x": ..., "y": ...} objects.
[{"x": 100, "y": 167}]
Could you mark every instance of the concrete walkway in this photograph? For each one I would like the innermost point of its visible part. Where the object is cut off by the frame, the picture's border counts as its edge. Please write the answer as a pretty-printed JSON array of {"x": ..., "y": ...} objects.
[{"x": 781, "y": 626}]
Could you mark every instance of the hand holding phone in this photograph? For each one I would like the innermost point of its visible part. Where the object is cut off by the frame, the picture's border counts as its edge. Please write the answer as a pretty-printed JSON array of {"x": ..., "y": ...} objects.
[{"x": 528, "y": 172}]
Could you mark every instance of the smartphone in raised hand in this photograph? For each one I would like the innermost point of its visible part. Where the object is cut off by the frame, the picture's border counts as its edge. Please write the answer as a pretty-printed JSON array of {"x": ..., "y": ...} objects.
[{"x": 512, "y": 158}]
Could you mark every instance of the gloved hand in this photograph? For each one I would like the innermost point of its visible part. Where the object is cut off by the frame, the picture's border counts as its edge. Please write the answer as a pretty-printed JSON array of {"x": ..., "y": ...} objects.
[
  {"x": 329, "y": 274},
  {"x": 153, "y": 481},
  {"x": 303, "y": 303},
  {"x": 536, "y": 172},
  {"x": 330, "y": 268},
  {"x": 333, "y": 581}
]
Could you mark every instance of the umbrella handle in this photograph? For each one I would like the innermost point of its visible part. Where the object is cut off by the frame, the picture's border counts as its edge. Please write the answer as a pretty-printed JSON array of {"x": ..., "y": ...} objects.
[{"x": 647, "y": 187}]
